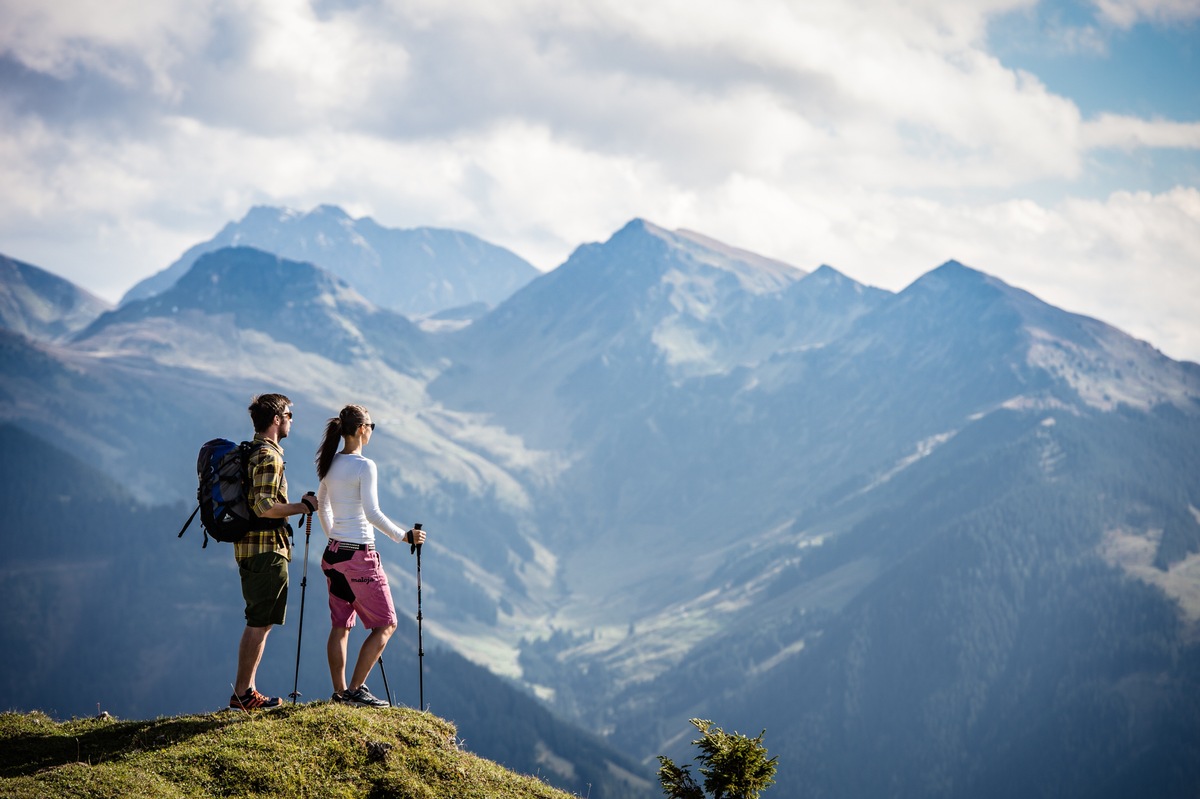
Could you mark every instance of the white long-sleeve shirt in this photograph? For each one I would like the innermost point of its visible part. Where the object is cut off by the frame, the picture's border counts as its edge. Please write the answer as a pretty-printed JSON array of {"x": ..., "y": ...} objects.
[{"x": 348, "y": 502}]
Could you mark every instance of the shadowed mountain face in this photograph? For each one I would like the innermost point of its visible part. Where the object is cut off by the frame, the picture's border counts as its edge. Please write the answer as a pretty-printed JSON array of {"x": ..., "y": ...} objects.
[
  {"x": 244, "y": 289},
  {"x": 40, "y": 305},
  {"x": 941, "y": 531}
]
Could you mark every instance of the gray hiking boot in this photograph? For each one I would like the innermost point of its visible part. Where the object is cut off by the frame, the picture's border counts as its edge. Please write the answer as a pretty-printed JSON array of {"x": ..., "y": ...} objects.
[{"x": 363, "y": 697}]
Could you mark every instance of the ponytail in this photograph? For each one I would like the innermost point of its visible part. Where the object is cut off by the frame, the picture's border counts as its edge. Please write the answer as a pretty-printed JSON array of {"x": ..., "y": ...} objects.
[
  {"x": 345, "y": 423},
  {"x": 329, "y": 446}
]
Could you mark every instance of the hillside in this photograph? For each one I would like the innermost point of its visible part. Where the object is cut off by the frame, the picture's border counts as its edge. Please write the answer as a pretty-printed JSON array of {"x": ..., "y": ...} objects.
[
  {"x": 40, "y": 305},
  {"x": 311, "y": 750}
]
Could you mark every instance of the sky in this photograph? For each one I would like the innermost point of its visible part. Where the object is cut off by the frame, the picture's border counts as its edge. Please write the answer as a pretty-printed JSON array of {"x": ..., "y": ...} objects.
[{"x": 1055, "y": 145}]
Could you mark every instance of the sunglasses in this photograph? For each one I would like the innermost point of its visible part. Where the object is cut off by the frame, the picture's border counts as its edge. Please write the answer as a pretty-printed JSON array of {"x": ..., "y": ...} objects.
[{"x": 369, "y": 424}]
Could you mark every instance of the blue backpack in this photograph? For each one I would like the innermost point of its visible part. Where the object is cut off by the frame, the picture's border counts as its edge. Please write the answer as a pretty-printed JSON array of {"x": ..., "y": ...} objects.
[{"x": 222, "y": 497}]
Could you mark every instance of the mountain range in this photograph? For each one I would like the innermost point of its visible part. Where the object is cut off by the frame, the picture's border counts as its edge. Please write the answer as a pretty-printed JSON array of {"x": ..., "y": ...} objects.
[
  {"x": 417, "y": 272},
  {"x": 937, "y": 542}
]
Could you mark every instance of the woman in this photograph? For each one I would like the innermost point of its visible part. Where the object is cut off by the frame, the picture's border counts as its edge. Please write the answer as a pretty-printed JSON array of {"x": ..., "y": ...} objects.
[{"x": 348, "y": 506}]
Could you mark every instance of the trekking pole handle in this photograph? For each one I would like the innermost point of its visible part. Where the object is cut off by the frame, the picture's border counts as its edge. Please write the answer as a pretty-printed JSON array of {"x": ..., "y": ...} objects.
[
  {"x": 308, "y": 516},
  {"x": 413, "y": 546}
]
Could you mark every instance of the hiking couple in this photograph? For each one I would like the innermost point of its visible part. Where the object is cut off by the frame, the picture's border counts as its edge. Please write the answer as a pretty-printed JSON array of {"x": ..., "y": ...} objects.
[{"x": 347, "y": 505}]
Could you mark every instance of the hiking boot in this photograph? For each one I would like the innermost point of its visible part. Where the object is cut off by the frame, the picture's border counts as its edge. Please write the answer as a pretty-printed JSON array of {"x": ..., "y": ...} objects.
[
  {"x": 253, "y": 700},
  {"x": 339, "y": 698},
  {"x": 363, "y": 697}
]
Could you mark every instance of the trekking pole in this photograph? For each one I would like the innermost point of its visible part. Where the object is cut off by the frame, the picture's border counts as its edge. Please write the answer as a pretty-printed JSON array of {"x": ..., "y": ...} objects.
[
  {"x": 303, "y": 589},
  {"x": 415, "y": 547},
  {"x": 386, "y": 689}
]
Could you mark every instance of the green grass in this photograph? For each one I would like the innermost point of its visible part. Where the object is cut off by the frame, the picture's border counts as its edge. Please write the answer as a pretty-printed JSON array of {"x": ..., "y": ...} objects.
[{"x": 312, "y": 750}]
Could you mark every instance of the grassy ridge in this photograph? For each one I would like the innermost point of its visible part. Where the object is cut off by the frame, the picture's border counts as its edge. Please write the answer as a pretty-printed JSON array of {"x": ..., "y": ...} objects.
[{"x": 311, "y": 750}]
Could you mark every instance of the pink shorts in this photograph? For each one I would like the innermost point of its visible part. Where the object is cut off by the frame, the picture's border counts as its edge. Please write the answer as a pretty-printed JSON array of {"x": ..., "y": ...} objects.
[{"x": 357, "y": 587}]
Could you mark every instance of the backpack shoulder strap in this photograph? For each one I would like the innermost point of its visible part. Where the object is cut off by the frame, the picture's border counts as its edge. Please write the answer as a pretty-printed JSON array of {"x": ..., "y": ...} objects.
[
  {"x": 188, "y": 523},
  {"x": 248, "y": 450}
]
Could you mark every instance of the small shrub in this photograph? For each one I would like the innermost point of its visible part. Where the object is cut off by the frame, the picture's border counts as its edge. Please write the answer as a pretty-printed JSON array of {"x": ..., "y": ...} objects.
[{"x": 733, "y": 766}]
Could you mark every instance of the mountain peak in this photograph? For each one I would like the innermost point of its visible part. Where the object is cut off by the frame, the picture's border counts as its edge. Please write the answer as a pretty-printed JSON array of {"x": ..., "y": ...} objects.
[
  {"x": 1086, "y": 360},
  {"x": 252, "y": 272},
  {"x": 756, "y": 273},
  {"x": 297, "y": 302},
  {"x": 412, "y": 271},
  {"x": 827, "y": 274},
  {"x": 265, "y": 216},
  {"x": 237, "y": 280},
  {"x": 258, "y": 213},
  {"x": 976, "y": 291},
  {"x": 956, "y": 274},
  {"x": 334, "y": 211},
  {"x": 283, "y": 222},
  {"x": 38, "y": 304},
  {"x": 638, "y": 225}
]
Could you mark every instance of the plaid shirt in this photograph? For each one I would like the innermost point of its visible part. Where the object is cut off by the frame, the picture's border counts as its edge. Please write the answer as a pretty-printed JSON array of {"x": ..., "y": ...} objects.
[{"x": 268, "y": 487}]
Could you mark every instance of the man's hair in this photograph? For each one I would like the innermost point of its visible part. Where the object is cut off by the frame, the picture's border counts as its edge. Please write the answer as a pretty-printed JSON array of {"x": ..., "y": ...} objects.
[{"x": 265, "y": 407}]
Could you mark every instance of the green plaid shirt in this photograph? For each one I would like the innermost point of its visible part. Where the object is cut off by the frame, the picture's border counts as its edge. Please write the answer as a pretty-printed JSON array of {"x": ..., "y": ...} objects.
[{"x": 268, "y": 487}]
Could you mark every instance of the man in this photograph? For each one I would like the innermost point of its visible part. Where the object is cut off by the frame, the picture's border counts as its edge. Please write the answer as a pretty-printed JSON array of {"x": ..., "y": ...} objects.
[{"x": 263, "y": 554}]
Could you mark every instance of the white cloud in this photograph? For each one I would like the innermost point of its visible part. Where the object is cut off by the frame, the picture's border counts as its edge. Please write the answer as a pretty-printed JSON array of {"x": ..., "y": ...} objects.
[
  {"x": 882, "y": 138},
  {"x": 327, "y": 67},
  {"x": 1127, "y": 13},
  {"x": 126, "y": 41},
  {"x": 1133, "y": 133}
]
